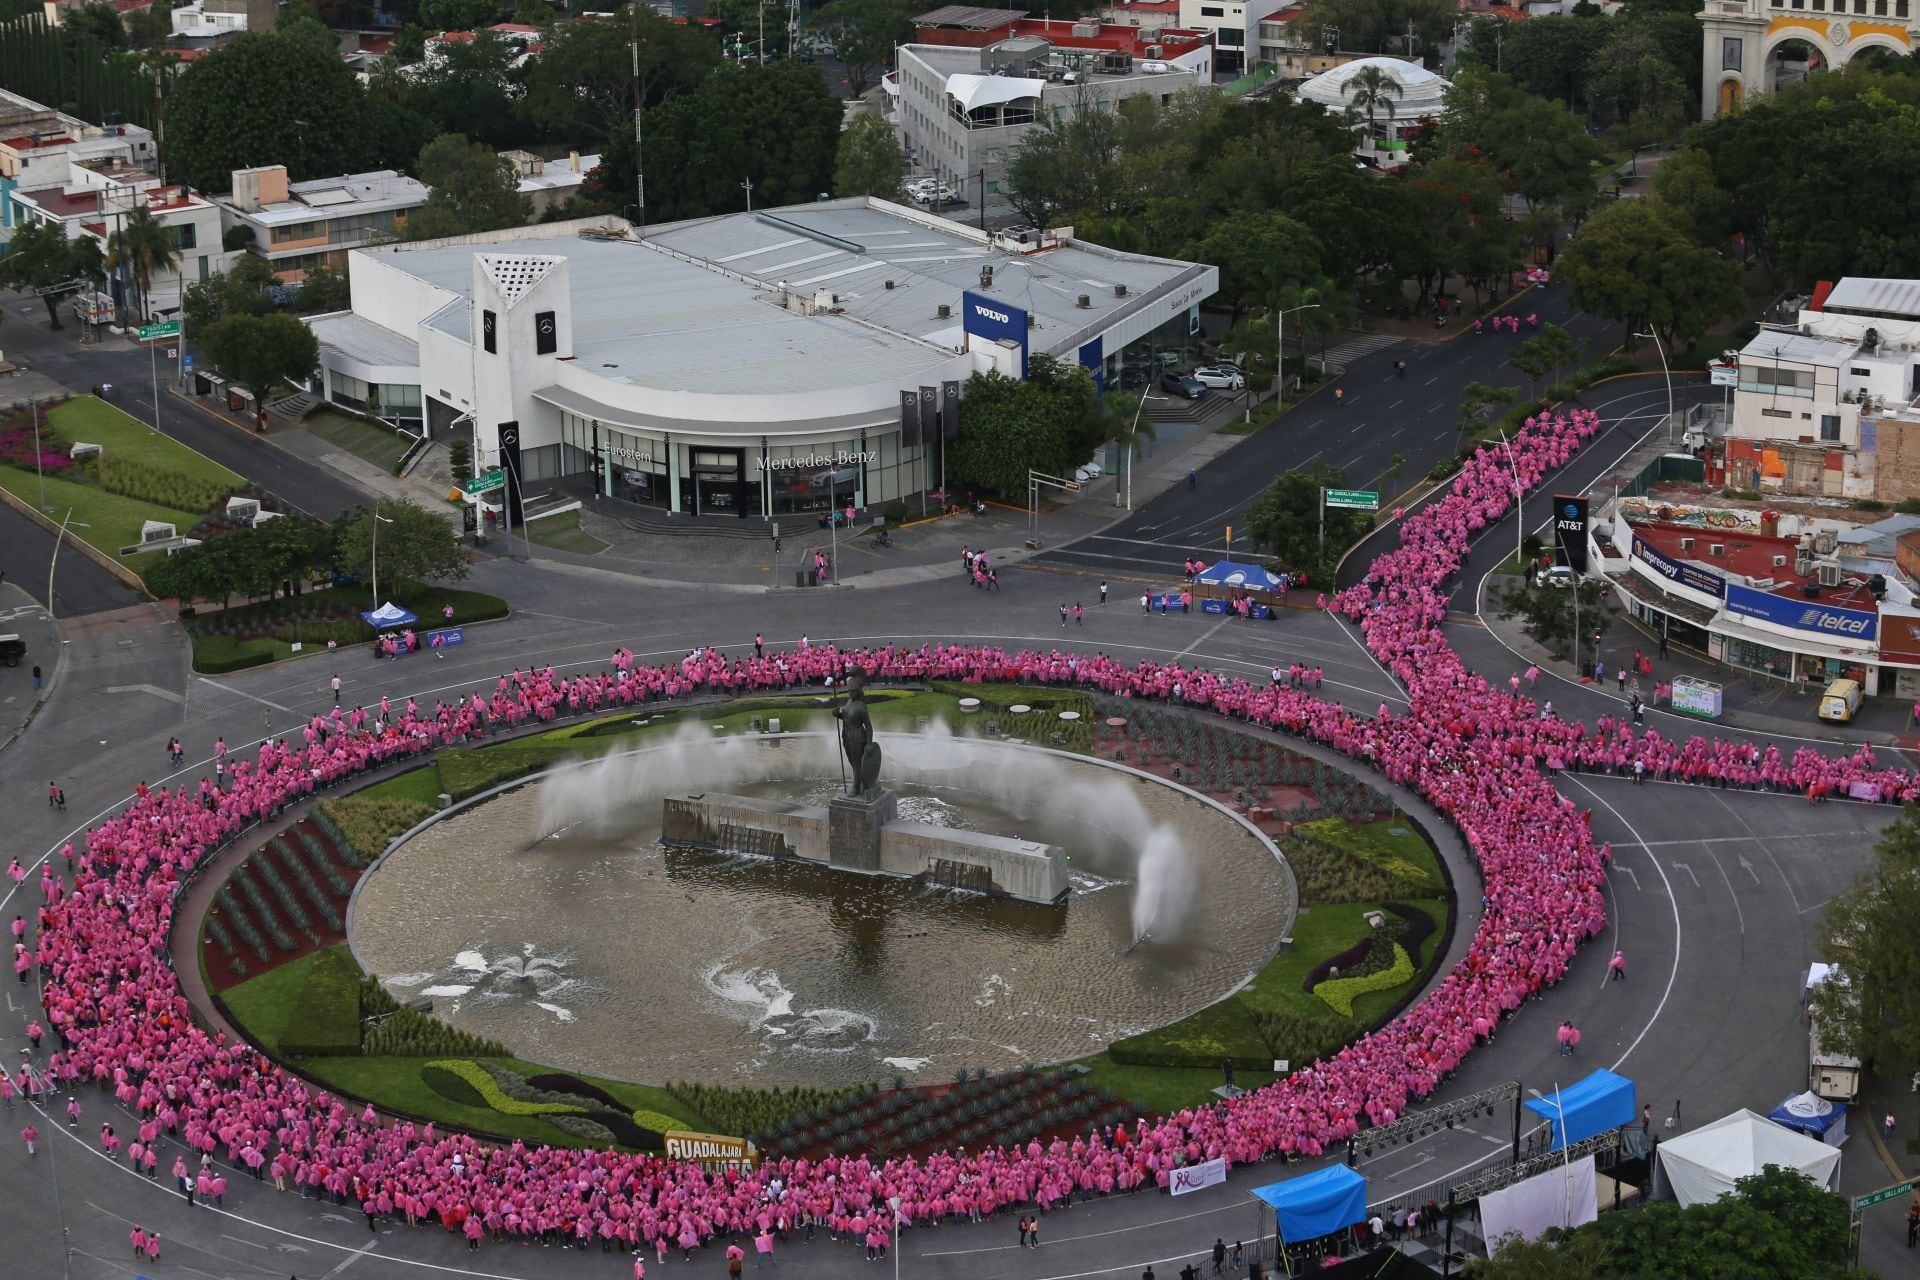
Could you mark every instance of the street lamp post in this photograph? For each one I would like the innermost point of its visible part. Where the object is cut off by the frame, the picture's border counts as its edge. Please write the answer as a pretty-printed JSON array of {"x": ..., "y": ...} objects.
[
  {"x": 1661, "y": 348},
  {"x": 1566, "y": 1159},
  {"x": 893, "y": 1203},
  {"x": 1126, "y": 453},
  {"x": 378, "y": 520},
  {"x": 54, "y": 563},
  {"x": 1280, "y": 354},
  {"x": 38, "y": 471},
  {"x": 1519, "y": 506}
]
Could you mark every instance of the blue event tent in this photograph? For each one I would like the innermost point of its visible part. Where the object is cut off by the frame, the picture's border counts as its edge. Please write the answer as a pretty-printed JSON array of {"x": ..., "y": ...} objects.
[
  {"x": 1316, "y": 1204},
  {"x": 388, "y": 615},
  {"x": 1596, "y": 1104},
  {"x": 1231, "y": 573}
]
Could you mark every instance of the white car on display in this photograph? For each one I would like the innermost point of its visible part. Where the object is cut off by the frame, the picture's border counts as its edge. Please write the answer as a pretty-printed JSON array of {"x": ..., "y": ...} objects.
[{"x": 1220, "y": 377}]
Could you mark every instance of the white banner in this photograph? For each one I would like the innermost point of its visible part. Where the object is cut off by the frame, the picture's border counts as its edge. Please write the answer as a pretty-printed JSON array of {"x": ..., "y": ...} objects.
[
  {"x": 1563, "y": 1196},
  {"x": 1193, "y": 1177}
]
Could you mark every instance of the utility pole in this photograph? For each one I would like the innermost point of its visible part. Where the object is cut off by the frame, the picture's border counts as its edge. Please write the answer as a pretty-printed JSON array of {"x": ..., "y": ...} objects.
[
  {"x": 748, "y": 184},
  {"x": 639, "y": 162}
]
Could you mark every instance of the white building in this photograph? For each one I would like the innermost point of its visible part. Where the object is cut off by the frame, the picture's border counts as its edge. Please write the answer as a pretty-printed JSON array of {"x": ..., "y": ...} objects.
[
  {"x": 1831, "y": 404},
  {"x": 1422, "y": 95},
  {"x": 39, "y": 144},
  {"x": 297, "y": 226},
  {"x": 548, "y": 184},
  {"x": 744, "y": 365},
  {"x": 1749, "y": 48},
  {"x": 1235, "y": 25},
  {"x": 961, "y": 108}
]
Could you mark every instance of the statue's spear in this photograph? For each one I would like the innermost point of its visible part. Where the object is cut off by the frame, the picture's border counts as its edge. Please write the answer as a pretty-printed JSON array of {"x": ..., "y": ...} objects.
[{"x": 842, "y": 752}]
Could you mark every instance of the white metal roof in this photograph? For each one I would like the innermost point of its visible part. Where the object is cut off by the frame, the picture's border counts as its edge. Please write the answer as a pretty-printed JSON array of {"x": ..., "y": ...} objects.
[
  {"x": 1421, "y": 91},
  {"x": 1885, "y": 297},
  {"x": 1800, "y": 348},
  {"x": 358, "y": 338}
]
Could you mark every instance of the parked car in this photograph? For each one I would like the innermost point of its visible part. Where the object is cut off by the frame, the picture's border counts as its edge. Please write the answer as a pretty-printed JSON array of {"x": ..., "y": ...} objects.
[
  {"x": 1220, "y": 377},
  {"x": 12, "y": 649},
  {"x": 1181, "y": 384},
  {"x": 1839, "y": 703},
  {"x": 1090, "y": 472}
]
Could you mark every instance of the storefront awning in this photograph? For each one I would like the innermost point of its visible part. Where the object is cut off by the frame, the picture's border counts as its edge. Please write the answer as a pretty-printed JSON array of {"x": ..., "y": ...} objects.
[{"x": 726, "y": 433}]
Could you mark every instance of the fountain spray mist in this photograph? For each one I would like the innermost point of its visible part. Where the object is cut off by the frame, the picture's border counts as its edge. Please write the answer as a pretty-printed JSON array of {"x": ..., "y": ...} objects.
[{"x": 1163, "y": 886}]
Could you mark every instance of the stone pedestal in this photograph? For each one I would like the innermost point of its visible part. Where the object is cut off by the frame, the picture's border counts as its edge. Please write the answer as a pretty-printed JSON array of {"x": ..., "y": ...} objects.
[{"x": 854, "y": 827}]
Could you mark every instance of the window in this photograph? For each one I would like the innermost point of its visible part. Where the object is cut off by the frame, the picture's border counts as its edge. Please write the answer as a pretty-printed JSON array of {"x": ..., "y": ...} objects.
[
  {"x": 1776, "y": 413},
  {"x": 1829, "y": 427},
  {"x": 297, "y": 231},
  {"x": 185, "y": 236},
  {"x": 1212, "y": 11},
  {"x": 1858, "y": 372}
]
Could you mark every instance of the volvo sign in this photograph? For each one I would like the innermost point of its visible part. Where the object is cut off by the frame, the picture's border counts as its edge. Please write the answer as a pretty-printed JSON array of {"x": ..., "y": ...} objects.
[{"x": 995, "y": 321}]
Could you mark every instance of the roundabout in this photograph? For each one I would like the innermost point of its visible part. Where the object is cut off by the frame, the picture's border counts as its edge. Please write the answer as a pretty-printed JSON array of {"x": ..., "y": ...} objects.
[{"x": 1476, "y": 754}]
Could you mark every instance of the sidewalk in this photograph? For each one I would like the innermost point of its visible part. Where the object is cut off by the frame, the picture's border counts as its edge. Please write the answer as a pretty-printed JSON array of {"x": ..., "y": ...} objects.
[{"x": 922, "y": 550}]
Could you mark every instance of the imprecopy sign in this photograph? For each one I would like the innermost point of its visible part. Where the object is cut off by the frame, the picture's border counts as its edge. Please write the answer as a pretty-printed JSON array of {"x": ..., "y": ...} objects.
[
  {"x": 1676, "y": 571},
  {"x": 1803, "y": 615},
  {"x": 994, "y": 320}
]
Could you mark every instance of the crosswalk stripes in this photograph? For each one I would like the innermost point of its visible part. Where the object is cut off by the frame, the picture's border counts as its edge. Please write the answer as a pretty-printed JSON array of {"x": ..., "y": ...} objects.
[{"x": 1352, "y": 349}]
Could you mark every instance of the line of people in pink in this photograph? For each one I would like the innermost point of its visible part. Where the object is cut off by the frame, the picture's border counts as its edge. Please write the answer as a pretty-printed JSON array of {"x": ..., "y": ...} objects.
[{"x": 1476, "y": 751}]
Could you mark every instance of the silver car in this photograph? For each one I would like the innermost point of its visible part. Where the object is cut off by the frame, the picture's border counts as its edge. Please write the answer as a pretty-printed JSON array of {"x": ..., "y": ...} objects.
[{"x": 1220, "y": 377}]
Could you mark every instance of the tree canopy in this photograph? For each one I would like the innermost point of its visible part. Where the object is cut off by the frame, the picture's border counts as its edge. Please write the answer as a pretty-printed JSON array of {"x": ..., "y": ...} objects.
[
  {"x": 250, "y": 561},
  {"x": 863, "y": 34},
  {"x": 265, "y": 98},
  {"x": 40, "y": 258},
  {"x": 474, "y": 189},
  {"x": 1285, "y": 521},
  {"x": 262, "y": 352},
  {"x": 1870, "y": 1007},
  {"x": 870, "y": 162},
  {"x": 1049, "y": 422},
  {"x": 1773, "y": 1225},
  {"x": 1633, "y": 263},
  {"x": 416, "y": 545}
]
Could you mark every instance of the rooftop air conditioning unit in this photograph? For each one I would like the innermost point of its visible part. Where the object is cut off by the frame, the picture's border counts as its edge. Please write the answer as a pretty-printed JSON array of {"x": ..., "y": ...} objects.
[
  {"x": 1779, "y": 562},
  {"x": 1119, "y": 291},
  {"x": 1829, "y": 573},
  {"x": 943, "y": 312},
  {"x": 1153, "y": 51},
  {"x": 889, "y": 284},
  {"x": 1802, "y": 563},
  {"x": 1824, "y": 541},
  {"x": 1085, "y": 30},
  {"x": 1716, "y": 548},
  {"x": 986, "y": 277},
  {"x": 1083, "y": 302}
]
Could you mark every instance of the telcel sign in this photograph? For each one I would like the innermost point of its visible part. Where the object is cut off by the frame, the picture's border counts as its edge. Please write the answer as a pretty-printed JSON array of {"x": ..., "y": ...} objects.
[
  {"x": 1802, "y": 615},
  {"x": 994, "y": 320}
]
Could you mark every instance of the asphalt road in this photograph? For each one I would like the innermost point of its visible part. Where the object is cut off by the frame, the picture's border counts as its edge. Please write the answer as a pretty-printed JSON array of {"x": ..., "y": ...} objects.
[
  {"x": 79, "y": 586},
  {"x": 1714, "y": 899},
  {"x": 1383, "y": 414},
  {"x": 78, "y": 367}
]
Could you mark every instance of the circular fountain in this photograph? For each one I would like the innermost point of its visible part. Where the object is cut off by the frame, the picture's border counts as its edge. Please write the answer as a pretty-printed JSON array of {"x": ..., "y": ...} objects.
[{"x": 553, "y": 917}]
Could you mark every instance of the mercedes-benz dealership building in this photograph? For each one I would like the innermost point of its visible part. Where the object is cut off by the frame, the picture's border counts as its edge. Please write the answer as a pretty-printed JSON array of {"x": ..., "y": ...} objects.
[{"x": 757, "y": 363}]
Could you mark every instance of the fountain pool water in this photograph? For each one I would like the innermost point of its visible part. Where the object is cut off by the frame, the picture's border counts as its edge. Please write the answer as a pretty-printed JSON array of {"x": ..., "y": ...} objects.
[{"x": 553, "y": 919}]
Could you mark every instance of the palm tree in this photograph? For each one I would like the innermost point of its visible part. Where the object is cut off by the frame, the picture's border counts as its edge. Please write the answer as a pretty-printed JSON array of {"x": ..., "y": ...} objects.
[
  {"x": 143, "y": 247},
  {"x": 1117, "y": 418},
  {"x": 1371, "y": 89}
]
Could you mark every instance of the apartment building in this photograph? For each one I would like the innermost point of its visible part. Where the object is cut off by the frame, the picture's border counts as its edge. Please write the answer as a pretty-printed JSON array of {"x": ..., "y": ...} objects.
[{"x": 297, "y": 226}]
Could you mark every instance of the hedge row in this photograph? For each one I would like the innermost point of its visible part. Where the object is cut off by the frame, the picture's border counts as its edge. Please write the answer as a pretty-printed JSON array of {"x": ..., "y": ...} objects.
[
  {"x": 1339, "y": 993},
  {"x": 326, "y": 1019},
  {"x": 365, "y": 825},
  {"x": 483, "y": 1083}
]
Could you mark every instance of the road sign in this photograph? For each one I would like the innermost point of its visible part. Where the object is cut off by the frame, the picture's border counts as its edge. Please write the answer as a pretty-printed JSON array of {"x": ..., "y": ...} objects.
[
  {"x": 189, "y": 360},
  {"x": 165, "y": 329},
  {"x": 173, "y": 353},
  {"x": 487, "y": 481},
  {"x": 1354, "y": 499},
  {"x": 1884, "y": 1194}
]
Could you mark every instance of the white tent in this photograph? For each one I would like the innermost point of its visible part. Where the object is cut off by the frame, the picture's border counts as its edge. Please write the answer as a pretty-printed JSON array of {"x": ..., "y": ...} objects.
[{"x": 1703, "y": 1165}]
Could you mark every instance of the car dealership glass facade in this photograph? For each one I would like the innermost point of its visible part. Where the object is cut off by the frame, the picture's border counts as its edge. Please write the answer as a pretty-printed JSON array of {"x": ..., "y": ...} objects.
[{"x": 750, "y": 475}]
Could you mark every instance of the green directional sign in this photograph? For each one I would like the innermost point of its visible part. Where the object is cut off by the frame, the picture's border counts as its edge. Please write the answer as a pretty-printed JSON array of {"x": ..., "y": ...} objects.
[
  {"x": 1354, "y": 499},
  {"x": 1884, "y": 1194},
  {"x": 165, "y": 329},
  {"x": 487, "y": 481}
]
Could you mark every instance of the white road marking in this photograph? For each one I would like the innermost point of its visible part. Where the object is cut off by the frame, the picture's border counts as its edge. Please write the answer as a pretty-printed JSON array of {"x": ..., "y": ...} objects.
[
  {"x": 153, "y": 689},
  {"x": 1673, "y": 974},
  {"x": 1681, "y": 866},
  {"x": 244, "y": 694},
  {"x": 1748, "y": 866},
  {"x": 1631, "y": 876},
  {"x": 348, "y": 1261}
]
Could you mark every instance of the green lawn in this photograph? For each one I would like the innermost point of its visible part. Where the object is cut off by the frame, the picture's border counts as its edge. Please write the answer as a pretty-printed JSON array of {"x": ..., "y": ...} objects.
[
  {"x": 1392, "y": 843},
  {"x": 563, "y": 533},
  {"x": 262, "y": 1005},
  {"x": 367, "y": 440},
  {"x": 122, "y": 436},
  {"x": 1165, "y": 1090},
  {"x": 422, "y": 785},
  {"x": 112, "y": 521}
]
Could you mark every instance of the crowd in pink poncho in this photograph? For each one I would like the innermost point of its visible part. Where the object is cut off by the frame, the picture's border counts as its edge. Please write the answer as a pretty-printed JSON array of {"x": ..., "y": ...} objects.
[{"x": 1475, "y": 750}]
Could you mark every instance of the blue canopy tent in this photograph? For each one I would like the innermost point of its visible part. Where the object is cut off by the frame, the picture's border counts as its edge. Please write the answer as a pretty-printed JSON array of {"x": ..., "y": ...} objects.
[
  {"x": 1218, "y": 584},
  {"x": 1596, "y": 1104},
  {"x": 388, "y": 616},
  {"x": 1814, "y": 1116},
  {"x": 1316, "y": 1204}
]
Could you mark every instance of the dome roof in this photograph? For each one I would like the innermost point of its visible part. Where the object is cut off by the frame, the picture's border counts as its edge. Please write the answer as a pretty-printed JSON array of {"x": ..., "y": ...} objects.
[{"x": 1421, "y": 91}]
